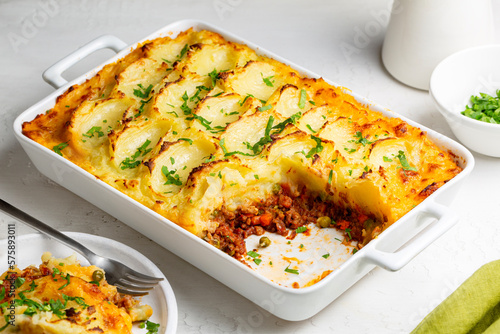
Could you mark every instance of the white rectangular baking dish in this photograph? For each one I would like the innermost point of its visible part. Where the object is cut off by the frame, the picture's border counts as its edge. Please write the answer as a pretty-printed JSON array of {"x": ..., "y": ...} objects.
[{"x": 416, "y": 230}]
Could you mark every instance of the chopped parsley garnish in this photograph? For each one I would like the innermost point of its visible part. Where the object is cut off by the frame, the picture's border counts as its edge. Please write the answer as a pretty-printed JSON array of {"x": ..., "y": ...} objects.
[
  {"x": 19, "y": 281},
  {"x": 151, "y": 327},
  {"x": 142, "y": 92},
  {"x": 301, "y": 229},
  {"x": 58, "y": 148},
  {"x": 310, "y": 128},
  {"x": 190, "y": 141},
  {"x": 196, "y": 96},
  {"x": 209, "y": 159},
  {"x": 259, "y": 145},
  {"x": 348, "y": 231},
  {"x": 361, "y": 140},
  {"x": 94, "y": 130},
  {"x": 172, "y": 177},
  {"x": 214, "y": 75},
  {"x": 31, "y": 289},
  {"x": 264, "y": 108},
  {"x": 255, "y": 257},
  {"x": 67, "y": 278},
  {"x": 183, "y": 51},
  {"x": 2, "y": 293},
  {"x": 484, "y": 108},
  {"x": 317, "y": 149},
  {"x": 267, "y": 80},
  {"x": 184, "y": 107},
  {"x": 269, "y": 130},
  {"x": 405, "y": 165},
  {"x": 191, "y": 116},
  {"x": 202, "y": 121},
  {"x": 292, "y": 119},
  {"x": 253, "y": 254},
  {"x": 386, "y": 159},
  {"x": 228, "y": 154},
  {"x": 57, "y": 308},
  {"x": 141, "y": 151},
  {"x": 79, "y": 300},
  {"x": 330, "y": 177},
  {"x": 302, "y": 99},
  {"x": 354, "y": 250},
  {"x": 326, "y": 256},
  {"x": 245, "y": 99},
  {"x": 291, "y": 271},
  {"x": 349, "y": 150}
]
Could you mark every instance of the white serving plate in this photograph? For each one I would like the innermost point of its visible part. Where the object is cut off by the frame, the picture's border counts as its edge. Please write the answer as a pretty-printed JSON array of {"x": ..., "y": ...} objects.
[
  {"x": 30, "y": 247},
  {"x": 422, "y": 225}
]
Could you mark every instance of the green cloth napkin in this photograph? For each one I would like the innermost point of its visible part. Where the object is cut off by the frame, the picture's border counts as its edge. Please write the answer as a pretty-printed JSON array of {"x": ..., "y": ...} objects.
[{"x": 473, "y": 308}]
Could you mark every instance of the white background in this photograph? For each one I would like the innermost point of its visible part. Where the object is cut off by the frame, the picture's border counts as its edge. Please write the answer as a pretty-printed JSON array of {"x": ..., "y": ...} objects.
[{"x": 313, "y": 34}]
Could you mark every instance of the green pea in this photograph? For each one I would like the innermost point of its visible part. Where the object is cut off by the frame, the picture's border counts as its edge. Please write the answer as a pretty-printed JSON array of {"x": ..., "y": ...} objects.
[
  {"x": 324, "y": 221},
  {"x": 264, "y": 242},
  {"x": 97, "y": 275}
]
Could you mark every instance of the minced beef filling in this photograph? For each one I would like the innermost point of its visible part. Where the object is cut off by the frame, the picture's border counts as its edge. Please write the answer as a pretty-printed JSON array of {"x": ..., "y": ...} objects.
[{"x": 281, "y": 213}]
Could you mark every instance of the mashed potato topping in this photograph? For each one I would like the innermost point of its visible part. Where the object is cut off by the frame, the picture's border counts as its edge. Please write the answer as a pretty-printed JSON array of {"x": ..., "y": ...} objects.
[{"x": 227, "y": 143}]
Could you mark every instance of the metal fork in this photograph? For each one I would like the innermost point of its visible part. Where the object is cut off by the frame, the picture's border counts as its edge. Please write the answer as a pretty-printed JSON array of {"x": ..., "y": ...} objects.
[{"x": 127, "y": 280}]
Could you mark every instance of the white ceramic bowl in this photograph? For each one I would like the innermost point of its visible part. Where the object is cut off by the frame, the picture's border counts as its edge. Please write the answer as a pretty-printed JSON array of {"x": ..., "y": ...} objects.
[{"x": 454, "y": 80}]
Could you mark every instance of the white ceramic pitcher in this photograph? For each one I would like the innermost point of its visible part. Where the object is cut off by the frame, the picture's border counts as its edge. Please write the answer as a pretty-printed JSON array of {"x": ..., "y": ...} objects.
[{"x": 421, "y": 33}]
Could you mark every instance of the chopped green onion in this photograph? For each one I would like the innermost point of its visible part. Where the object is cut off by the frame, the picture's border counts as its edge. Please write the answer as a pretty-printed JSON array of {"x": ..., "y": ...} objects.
[
  {"x": 302, "y": 99},
  {"x": 484, "y": 108},
  {"x": 301, "y": 229},
  {"x": 405, "y": 165},
  {"x": 58, "y": 148},
  {"x": 291, "y": 271}
]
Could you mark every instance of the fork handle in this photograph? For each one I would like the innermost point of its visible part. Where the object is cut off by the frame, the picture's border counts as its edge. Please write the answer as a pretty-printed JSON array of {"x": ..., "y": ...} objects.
[{"x": 45, "y": 229}]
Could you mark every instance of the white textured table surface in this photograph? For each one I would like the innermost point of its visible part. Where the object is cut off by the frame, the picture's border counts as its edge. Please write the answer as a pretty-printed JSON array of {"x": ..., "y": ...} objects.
[{"x": 308, "y": 33}]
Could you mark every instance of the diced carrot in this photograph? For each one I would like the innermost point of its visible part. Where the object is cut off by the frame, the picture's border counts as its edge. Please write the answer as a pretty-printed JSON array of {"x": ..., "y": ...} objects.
[
  {"x": 255, "y": 220},
  {"x": 362, "y": 217},
  {"x": 286, "y": 188},
  {"x": 343, "y": 224},
  {"x": 266, "y": 219}
]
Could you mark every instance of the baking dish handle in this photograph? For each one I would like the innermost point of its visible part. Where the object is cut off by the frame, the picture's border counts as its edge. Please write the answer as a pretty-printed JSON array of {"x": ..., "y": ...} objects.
[
  {"x": 53, "y": 75},
  {"x": 445, "y": 219}
]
